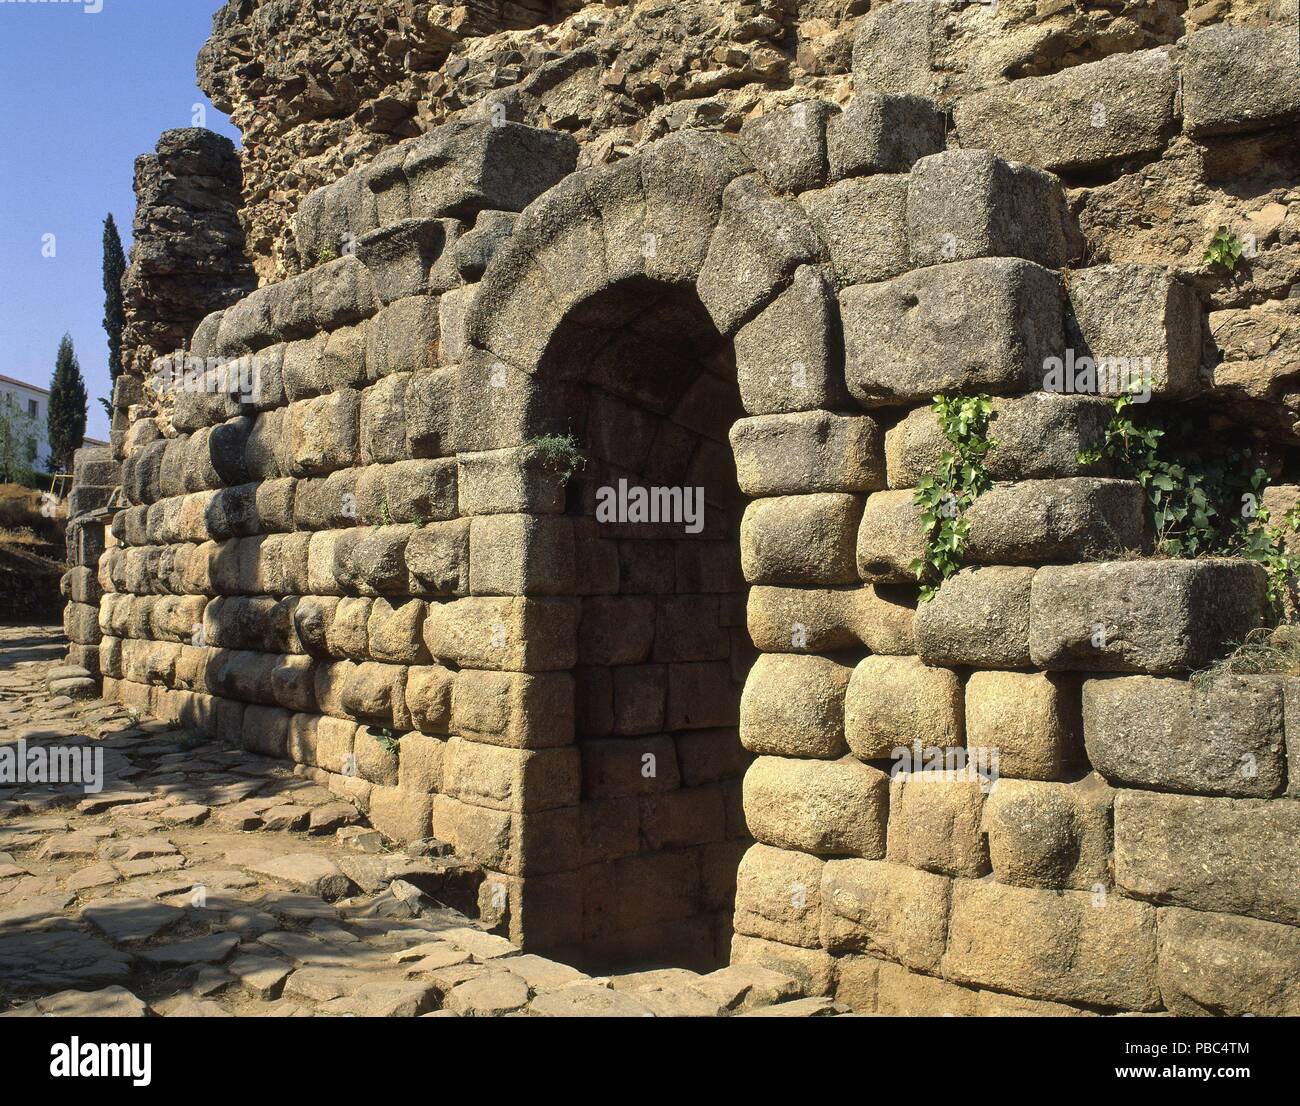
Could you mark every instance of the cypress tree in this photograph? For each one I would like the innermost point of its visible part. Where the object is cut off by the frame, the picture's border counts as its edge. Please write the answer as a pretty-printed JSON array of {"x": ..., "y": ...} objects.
[
  {"x": 67, "y": 417},
  {"x": 114, "y": 312}
]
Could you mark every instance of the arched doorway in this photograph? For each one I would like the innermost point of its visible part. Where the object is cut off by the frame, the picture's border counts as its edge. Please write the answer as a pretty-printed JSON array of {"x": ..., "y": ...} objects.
[
  {"x": 662, "y": 649},
  {"x": 613, "y": 315}
]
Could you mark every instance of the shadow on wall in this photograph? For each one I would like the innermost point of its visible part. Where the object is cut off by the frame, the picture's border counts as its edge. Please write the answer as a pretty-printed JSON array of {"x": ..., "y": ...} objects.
[{"x": 662, "y": 647}]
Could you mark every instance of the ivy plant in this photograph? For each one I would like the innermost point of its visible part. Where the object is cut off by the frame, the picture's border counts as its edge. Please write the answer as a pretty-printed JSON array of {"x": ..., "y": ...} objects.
[
  {"x": 945, "y": 494},
  {"x": 1224, "y": 250},
  {"x": 1199, "y": 505}
]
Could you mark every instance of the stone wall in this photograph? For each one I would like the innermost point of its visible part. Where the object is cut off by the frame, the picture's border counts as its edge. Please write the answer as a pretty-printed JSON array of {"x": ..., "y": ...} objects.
[
  {"x": 318, "y": 90},
  {"x": 363, "y": 542}
]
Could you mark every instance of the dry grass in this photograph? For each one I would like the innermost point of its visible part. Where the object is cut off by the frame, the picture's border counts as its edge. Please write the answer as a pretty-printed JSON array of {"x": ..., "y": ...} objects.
[
  {"x": 22, "y": 520},
  {"x": 1265, "y": 652}
]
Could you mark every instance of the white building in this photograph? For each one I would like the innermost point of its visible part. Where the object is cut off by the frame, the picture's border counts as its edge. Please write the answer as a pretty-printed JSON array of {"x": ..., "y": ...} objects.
[{"x": 33, "y": 402}]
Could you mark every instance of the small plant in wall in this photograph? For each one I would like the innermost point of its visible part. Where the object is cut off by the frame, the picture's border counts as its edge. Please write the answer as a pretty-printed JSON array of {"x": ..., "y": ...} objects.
[
  {"x": 1224, "y": 251},
  {"x": 1200, "y": 505},
  {"x": 388, "y": 740},
  {"x": 944, "y": 495},
  {"x": 559, "y": 453}
]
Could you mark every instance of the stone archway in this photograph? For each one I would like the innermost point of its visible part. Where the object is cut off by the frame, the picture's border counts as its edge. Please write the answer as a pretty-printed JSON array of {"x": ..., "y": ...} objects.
[{"x": 618, "y": 313}]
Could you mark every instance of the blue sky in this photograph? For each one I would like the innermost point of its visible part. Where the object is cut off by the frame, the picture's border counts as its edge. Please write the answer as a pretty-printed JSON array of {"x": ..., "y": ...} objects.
[{"x": 81, "y": 95}]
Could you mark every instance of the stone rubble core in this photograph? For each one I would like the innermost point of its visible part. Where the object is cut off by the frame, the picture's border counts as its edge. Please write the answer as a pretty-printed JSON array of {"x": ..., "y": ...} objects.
[{"x": 370, "y": 565}]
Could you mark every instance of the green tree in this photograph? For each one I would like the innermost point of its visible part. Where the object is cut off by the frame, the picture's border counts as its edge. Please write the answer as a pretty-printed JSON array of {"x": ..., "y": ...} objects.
[
  {"x": 18, "y": 444},
  {"x": 67, "y": 417},
  {"x": 114, "y": 311}
]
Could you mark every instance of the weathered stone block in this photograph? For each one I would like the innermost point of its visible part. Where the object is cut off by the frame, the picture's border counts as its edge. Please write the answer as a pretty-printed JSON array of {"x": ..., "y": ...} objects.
[
  {"x": 702, "y": 695},
  {"x": 814, "y": 969},
  {"x": 1218, "y": 736},
  {"x": 794, "y": 706},
  {"x": 1032, "y": 719},
  {"x": 334, "y": 738},
  {"x": 400, "y": 814},
  {"x": 1053, "y": 835},
  {"x": 371, "y": 690},
  {"x": 985, "y": 325},
  {"x": 504, "y": 481},
  {"x": 1223, "y": 966},
  {"x": 883, "y": 133},
  {"x": 513, "y": 709},
  {"x": 302, "y": 368},
  {"x": 616, "y": 629},
  {"x": 788, "y": 145},
  {"x": 267, "y": 451},
  {"x": 963, "y": 204},
  {"x": 1133, "y": 616},
  {"x": 81, "y": 623},
  {"x": 373, "y": 561},
  {"x": 428, "y": 697},
  {"x": 521, "y": 555},
  {"x": 429, "y": 403},
  {"x": 1035, "y": 521},
  {"x": 789, "y": 357},
  {"x": 403, "y": 337},
  {"x": 343, "y": 359},
  {"x": 803, "y": 539},
  {"x": 321, "y": 549},
  {"x": 778, "y": 896},
  {"x": 829, "y": 808},
  {"x": 804, "y": 620},
  {"x": 474, "y": 250},
  {"x": 511, "y": 779},
  {"x": 382, "y": 414},
  {"x": 629, "y": 766},
  {"x": 759, "y": 242},
  {"x": 461, "y": 168},
  {"x": 979, "y": 617},
  {"x": 1237, "y": 856},
  {"x": 506, "y": 633},
  {"x": 323, "y": 433},
  {"x": 394, "y": 631},
  {"x": 419, "y": 767},
  {"x": 863, "y": 223},
  {"x": 437, "y": 557},
  {"x": 1081, "y": 118},
  {"x": 808, "y": 451},
  {"x": 400, "y": 256},
  {"x": 890, "y": 538},
  {"x": 1238, "y": 78},
  {"x": 375, "y": 756},
  {"x": 420, "y": 490},
  {"x": 934, "y": 824},
  {"x": 893, "y": 702},
  {"x": 1065, "y": 948},
  {"x": 266, "y": 731},
  {"x": 894, "y": 46},
  {"x": 1140, "y": 327},
  {"x": 885, "y": 909}
]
